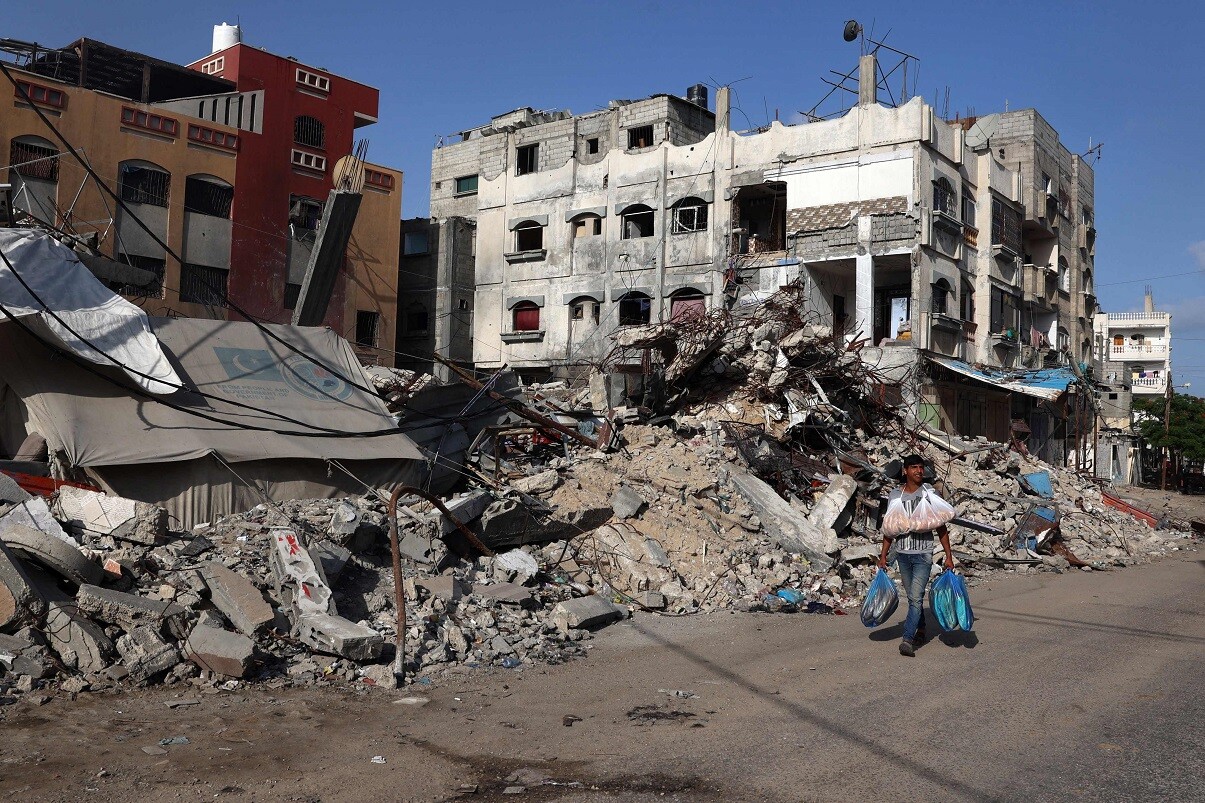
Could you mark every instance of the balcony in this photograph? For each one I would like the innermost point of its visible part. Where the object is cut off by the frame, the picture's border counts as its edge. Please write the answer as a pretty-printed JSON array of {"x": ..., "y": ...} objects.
[
  {"x": 1140, "y": 318},
  {"x": 1146, "y": 350},
  {"x": 1148, "y": 386}
]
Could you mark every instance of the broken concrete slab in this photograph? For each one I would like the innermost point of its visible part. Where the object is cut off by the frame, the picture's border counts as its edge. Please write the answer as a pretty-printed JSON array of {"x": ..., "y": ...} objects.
[
  {"x": 626, "y": 503},
  {"x": 220, "y": 651},
  {"x": 505, "y": 593},
  {"x": 786, "y": 525},
  {"x": 300, "y": 583},
  {"x": 541, "y": 483},
  {"x": 506, "y": 523},
  {"x": 339, "y": 636},
  {"x": 20, "y": 603},
  {"x": 34, "y": 514},
  {"x": 80, "y": 643},
  {"x": 587, "y": 613},
  {"x": 415, "y": 547},
  {"x": 464, "y": 509},
  {"x": 517, "y": 563},
  {"x": 443, "y": 586},
  {"x": 129, "y": 611},
  {"x": 860, "y": 552},
  {"x": 333, "y": 558},
  {"x": 59, "y": 554},
  {"x": 831, "y": 506},
  {"x": 12, "y": 493},
  {"x": 102, "y": 514},
  {"x": 238, "y": 599},
  {"x": 345, "y": 519},
  {"x": 23, "y": 657},
  {"x": 145, "y": 654}
]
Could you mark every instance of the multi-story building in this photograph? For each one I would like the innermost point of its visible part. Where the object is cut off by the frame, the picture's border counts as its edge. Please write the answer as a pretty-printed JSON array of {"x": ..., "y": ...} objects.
[
  {"x": 905, "y": 230},
  {"x": 228, "y": 161},
  {"x": 1136, "y": 348}
]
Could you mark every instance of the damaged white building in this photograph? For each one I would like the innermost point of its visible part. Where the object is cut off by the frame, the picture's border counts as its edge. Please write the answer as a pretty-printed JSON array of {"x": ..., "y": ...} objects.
[{"x": 968, "y": 241}]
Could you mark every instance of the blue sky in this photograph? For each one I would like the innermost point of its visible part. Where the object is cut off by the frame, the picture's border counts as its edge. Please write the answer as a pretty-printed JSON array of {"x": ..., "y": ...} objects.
[{"x": 1122, "y": 73}]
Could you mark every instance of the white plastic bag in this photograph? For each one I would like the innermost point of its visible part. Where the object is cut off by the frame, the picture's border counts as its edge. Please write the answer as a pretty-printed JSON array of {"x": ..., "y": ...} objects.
[
  {"x": 931, "y": 511},
  {"x": 895, "y": 520}
]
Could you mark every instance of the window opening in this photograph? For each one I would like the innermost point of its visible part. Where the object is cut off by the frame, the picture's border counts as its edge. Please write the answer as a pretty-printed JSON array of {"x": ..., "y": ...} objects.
[
  {"x": 640, "y": 137},
  {"x": 417, "y": 319},
  {"x": 207, "y": 197},
  {"x": 30, "y": 160},
  {"x": 529, "y": 237},
  {"x": 635, "y": 309},
  {"x": 309, "y": 131},
  {"x": 304, "y": 213},
  {"x": 202, "y": 284},
  {"x": 367, "y": 326},
  {"x": 466, "y": 185},
  {"x": 592, "y": 145},
  {"x": 414, "y": 242},
  {"x": 689, "y": 215},
  {"x": 941, "y": 294},
  {"x": 762, "y": 214},
  {"x": 1006, "y": 226},
  {"x": 587, "y": 226},
  {"x": 637, "y": 222},
  {"x": 1064, "y": 275},
  {"x": 968, "y": 207},
  {"x": 526, "y": 317},
  {"x": 943, "y": 196},
  {"x": 527, "y": 159},
  {"x": 157, "y": 265},
  {"x": 144, "y": 185}
]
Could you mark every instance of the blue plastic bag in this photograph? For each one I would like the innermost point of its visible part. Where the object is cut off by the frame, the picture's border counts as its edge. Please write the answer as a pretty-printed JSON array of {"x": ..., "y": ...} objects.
[
  {"x": 881, "y": 600},
  {"x": 951, "y": 603}
]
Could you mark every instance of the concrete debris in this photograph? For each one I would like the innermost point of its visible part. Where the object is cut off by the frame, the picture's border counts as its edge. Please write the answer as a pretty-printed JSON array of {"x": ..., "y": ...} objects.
[
  {"x": 339, "y": 636},
  {"x": 220, "y": 651},
  {"x": 20, "y": 603},
  {"x": 238, "y": 599},
  {"x": 131, "y": 611},
  {"x": 627, "y": 503},
  {"x": 58, "y": 553},
  {"x": 145, "y": 654},
  {"x": 786, "y": 525},
  {"x": 587, "y": 612},
  {"x": 100, "y": 514},
  {"x": 80, "y": 643},
  {"x": 541, "y": 483}
]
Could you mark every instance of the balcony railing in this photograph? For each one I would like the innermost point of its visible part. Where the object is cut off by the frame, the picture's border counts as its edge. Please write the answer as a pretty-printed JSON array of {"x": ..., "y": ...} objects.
[
  {"x": 1155, "y": 318},
  {"x": 1141, "y": 384},
  {"x": 1138, "y": 349}
]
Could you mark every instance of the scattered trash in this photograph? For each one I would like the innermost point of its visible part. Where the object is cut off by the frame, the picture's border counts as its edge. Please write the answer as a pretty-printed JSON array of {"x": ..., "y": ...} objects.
[
  {"x": 173, "y": 740},
  {"x": 378, "y": 759}
]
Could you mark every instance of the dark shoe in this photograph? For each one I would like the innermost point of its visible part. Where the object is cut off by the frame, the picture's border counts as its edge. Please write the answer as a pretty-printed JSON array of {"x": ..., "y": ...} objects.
[{"x": 907, "y": 649}]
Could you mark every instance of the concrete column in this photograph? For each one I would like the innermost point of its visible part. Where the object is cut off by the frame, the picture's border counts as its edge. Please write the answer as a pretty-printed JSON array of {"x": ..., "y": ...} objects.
[
  {"x": 864, "y": 282},
  {"x": 868, "y": 80}
]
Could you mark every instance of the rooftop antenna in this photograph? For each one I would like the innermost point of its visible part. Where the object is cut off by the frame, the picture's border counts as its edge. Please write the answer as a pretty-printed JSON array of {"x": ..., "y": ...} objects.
[
  {"x": 1093, "y": 152},
  {"x": 846, "y": 82}
]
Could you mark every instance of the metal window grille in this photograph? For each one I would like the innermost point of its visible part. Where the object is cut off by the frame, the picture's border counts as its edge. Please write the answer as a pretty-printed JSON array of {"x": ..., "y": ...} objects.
[
  {"x": 206, "y": 198},
  {"x": 157, "y": 265},
  {"x": 635, "y": 309},
  {"x": 309, "y": 131},
  {"x": 944, "y": 199},
  {"x": 202, "y": 284},
  {"x": 689, "y": 217},
  {"x": 34, "y": 161},
  {"x": 367, "y": 326},
  {"x": 144, "y": 185},
  {"x": 1006, "y": 226}
]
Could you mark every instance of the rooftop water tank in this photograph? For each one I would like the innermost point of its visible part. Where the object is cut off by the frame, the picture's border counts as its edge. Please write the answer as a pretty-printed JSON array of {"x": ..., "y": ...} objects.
[{"x": 225, "y": 36}]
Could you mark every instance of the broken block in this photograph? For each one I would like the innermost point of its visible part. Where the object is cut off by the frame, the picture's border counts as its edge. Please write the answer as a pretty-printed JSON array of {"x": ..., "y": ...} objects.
[
  {"x": 333, "y": 558},
  {"x": 339, "y": 636},
  {"x": 238, "y": 599},
  {"x": 626, "y": 502},
  {"x": 300, "y": 583},
  {"x": 219, "y": 650},
  {"x": 506, "y": 593},
  {"x": 59, "y": 554},
  {"x": 443, "y": 586},
  {"x": 786, "y": 525},
  {"x": 464, "y": 509},
  {"x": 130, "y": 611},
  {"x": 415, "y": 547},
  {"x": 99, "y": 513},
  {"x": 80, "y": 643},
  {"x": 145, "y": 654},
  {"x": 345, "y": 519},
  {"x": 22, "y": 657},
  {"x": 540, "y": 483},
  {"x": 20, "y": 603},
  {"x": 587, "y": 612}
]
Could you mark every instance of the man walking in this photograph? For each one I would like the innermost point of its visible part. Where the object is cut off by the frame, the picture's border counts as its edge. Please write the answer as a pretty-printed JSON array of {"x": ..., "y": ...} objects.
[{"x": 914, "y": 551}]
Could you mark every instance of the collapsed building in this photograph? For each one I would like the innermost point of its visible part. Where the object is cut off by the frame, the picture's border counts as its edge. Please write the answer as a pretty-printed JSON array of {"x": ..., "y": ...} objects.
[{"x": 969, "y": 241}]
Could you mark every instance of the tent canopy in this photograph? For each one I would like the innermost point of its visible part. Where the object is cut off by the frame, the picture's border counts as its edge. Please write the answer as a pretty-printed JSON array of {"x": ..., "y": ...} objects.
[{"x": 1045, "y": 383}]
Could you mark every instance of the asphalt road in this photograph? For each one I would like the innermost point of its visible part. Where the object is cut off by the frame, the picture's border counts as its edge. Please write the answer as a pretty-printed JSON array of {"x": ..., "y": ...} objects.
[{"x": 1084, "y": 686}]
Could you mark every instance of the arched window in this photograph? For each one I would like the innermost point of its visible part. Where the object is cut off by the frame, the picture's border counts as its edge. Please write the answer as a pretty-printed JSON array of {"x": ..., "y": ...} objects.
[
  {"x": 587, "y": 225},
  {"x": 142, "y": 182},
  {"x": 584, "y": 308},
  {"x": 208, "y": 195},
  {"x": 944, "y": 199},
  {"x": 1087, "y": 281},
  {"x": 689, "y": 215},
  {"x": 686, "y": 304},
  {"x": 309, "y": 131},
  {"x": 1064, "y": 275},
  {"x": 635, "y": 309},
  {"x": 637, "y": 222},
  {"x": 34, "y": 158},
  {"x": 529, "y": 236},
  {"x": 941, "y": 295},
  {"x": 525, "y": 317}
]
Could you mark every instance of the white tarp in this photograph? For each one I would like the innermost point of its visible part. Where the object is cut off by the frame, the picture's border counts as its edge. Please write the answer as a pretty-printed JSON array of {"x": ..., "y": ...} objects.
[{"x": 82, "y": 304}]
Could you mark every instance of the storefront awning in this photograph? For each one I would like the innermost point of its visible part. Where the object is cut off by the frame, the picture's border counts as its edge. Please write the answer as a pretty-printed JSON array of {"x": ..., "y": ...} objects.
[{"x": 1043, "y": 383}]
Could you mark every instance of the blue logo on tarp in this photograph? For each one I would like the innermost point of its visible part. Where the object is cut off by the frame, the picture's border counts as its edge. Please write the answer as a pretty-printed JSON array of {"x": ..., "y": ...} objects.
[
  {"x": 313, "y": 380},
  {"x": 249, "y": 364}
]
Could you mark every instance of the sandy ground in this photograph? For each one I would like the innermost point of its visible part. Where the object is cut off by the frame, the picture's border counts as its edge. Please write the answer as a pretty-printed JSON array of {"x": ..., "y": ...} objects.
[{"x": 1083, "y": 686}]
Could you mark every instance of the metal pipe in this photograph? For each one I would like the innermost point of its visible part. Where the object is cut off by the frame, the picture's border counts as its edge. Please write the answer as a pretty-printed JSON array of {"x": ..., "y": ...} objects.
[{"x": 399, "y": 593}]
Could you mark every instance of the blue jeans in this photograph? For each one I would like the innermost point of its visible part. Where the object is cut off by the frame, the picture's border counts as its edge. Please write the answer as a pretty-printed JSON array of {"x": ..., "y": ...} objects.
[{"x": 914, "y": 571}]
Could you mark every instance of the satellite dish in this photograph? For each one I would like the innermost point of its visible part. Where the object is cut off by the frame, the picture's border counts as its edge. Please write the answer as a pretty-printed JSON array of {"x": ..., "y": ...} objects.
[{"x": 852, "y": 29}]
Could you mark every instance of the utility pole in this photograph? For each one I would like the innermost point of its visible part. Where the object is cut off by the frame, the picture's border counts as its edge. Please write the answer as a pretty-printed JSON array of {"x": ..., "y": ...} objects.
[{"x": 1167, "y": 423}]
